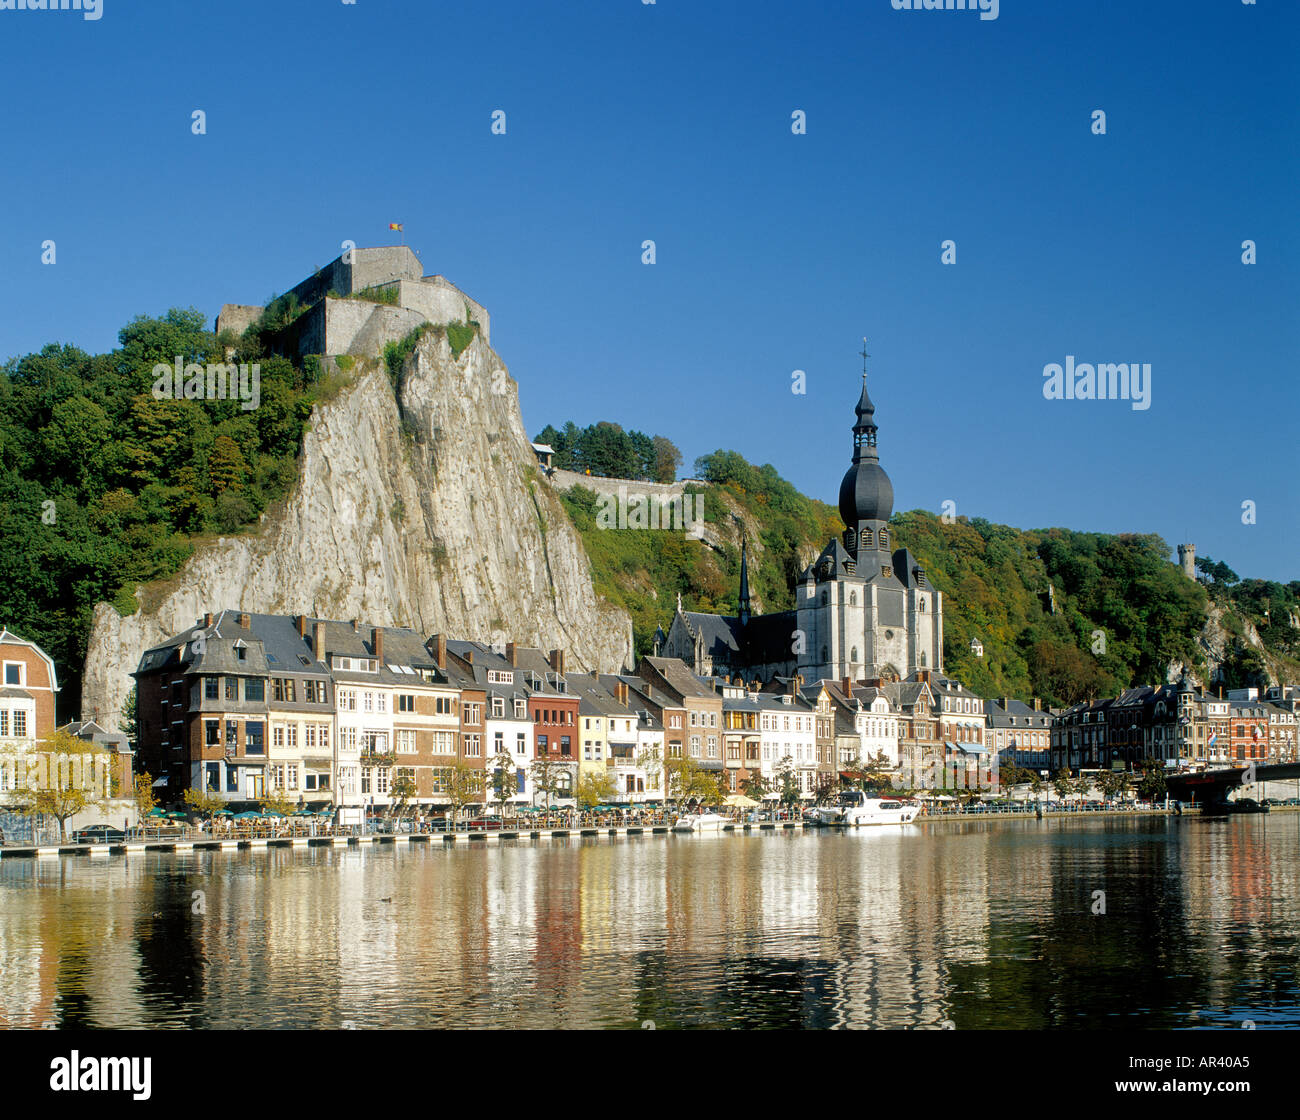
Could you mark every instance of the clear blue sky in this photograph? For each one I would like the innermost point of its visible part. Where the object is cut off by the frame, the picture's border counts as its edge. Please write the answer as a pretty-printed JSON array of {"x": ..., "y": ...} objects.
[{"x": 776, "y": 252}]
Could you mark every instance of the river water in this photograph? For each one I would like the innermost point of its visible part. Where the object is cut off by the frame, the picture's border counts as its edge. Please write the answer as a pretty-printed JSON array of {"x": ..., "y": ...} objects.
[{"x": 979, "y": 925}]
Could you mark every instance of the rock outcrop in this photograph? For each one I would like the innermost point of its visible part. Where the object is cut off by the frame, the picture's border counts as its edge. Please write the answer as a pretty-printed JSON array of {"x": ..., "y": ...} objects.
[{"x": 423, "y": 508}]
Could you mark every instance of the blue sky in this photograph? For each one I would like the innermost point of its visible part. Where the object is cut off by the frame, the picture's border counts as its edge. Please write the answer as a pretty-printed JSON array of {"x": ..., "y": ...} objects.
[{"x": 775, "y": 251}]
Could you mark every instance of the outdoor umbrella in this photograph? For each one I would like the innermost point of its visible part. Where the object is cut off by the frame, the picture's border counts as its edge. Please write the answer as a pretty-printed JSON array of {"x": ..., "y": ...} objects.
[{"x": 247, "y": 815}]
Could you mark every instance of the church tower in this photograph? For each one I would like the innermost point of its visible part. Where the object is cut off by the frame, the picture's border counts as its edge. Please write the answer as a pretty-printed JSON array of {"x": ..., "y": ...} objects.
[{"x": 866, "y": 494}]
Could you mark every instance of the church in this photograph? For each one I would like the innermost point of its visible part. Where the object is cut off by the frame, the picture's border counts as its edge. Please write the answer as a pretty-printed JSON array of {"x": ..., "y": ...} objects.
[{"x": 862, "y": 612}]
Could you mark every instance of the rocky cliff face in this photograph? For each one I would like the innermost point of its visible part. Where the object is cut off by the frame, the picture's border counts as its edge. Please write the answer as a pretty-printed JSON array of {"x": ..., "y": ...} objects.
[
  {"x": 1217, "y": 643},
  {"x": 423, "y": 509}
]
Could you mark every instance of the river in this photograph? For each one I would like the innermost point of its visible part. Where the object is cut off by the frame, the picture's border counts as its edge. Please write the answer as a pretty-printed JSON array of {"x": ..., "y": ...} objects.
[{"x": 1134, "y": 922}]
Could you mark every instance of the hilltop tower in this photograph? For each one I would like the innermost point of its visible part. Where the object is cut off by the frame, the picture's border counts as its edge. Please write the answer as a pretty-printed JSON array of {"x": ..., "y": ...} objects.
[{"x": 1187, "y": 560}]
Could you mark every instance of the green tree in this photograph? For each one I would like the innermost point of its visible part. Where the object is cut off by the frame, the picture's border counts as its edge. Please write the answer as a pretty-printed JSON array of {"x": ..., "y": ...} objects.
[
  {"x": 504, "y": 782},
  {"x": 204, "y": 802},
  {"x": 462, "y": 785},
  {"x": 1151, "y": 784},
  {"x": 595, "y": 787},
  {"x": 400, "y": 791},
  {"x": 60, "y": 781}
]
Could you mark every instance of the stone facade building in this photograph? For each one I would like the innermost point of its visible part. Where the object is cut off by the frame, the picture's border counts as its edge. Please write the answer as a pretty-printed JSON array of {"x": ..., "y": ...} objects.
[{"x": 863, "y": 610}]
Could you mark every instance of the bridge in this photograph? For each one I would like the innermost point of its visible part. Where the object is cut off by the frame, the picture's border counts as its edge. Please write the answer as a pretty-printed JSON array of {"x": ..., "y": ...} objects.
[{"x": 1211, "y": 787}]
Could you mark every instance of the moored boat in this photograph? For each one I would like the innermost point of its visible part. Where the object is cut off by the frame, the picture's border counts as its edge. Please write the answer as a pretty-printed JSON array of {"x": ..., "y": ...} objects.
[
  {"x": 699, "y": 822},
  {"x": 853, "y": 809}
]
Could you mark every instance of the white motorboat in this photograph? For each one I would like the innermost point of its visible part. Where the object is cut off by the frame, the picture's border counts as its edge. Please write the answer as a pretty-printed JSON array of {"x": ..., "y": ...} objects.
[
  {"x": 700, "y": 822},
  {"x": 853, "y": 808}
]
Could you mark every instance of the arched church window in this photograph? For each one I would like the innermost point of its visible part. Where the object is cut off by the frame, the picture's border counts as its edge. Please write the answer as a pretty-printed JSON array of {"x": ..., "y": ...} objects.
[
  {"x": 923, "y": 659},
  {"x": 853, "y": 598},
  {"x": 922, "y": 607},
  {"x": 826, "y": 597},
  {"x": 853, "y": 654}
]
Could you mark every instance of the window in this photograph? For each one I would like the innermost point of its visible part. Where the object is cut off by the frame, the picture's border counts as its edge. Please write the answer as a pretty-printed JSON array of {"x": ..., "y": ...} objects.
[
  {"x": 521, "y": 744},
  {"x": 853, "y": 598},
  {"x": 232, "y": 735},
  {"x": 14, "y": 673},
  {"x": 825, "y": 598},
  {"x": 381, "y": 702},
  {"x": 498, "y": 707},
  {"x": 566, "y": 747},
  {"x": 695, "y": 746},
  {"x": 211, "y": 688},
  {"x": 255, "y": 690},
  {"x": 496, "y": 676},
  {"x": 444, "y": 742},
  {"x": 282, "y": 690},
  {"x": 381, "y": 780},
  {"x": 254, "y": 740},
  {"x": 521, "y": 709},
  {"x": 291, "y": 735},
  {"x": 277, "y": 736},
  {"x": 541, "y": 744},
  {"x": 405, "y": 742},
  {"x": 347, "y": 699},
  {"x": 4, "y": 722},
  {"x": 211, "y": 732},
  {"x": 366, "y": 771},
  {"x": 314, "y": 692},
  {"x": 445, "y": 705},
  {"x": 473, "y": 747},
  {"x": 473, "y": 714},
  {"x": 291, "y": 772},
  {"x": 405, "y": 702},
  {"x": 232, "y": 688},
  {"x": 368, "y": 702}
]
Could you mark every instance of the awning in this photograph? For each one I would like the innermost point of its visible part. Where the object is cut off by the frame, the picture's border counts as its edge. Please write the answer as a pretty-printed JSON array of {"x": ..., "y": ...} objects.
[
  {"x": 160, "y": 782},
  {"x": 967, "y": 748}
]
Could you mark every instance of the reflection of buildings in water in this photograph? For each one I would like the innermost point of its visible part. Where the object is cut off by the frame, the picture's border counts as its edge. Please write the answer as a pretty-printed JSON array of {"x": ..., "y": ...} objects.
[{"x": 66, "y": 955}]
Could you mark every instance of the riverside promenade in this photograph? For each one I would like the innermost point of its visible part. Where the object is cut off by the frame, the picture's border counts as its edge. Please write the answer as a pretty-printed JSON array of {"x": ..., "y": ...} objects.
[{"x": 581, "y": 829}]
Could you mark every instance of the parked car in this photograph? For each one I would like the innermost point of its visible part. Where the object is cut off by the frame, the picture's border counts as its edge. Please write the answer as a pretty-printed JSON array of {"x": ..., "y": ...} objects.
[{"x": 98, "y": 834}]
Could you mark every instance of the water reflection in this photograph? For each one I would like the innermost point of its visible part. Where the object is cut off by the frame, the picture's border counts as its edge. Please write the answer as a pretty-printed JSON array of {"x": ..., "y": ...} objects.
[{"x": 993, "y": 924}]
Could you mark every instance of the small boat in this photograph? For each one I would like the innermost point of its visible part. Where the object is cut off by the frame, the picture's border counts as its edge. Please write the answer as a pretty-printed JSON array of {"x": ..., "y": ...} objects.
[
  {"x": 700, "y": 822},
  {"x": 854, "y": 809}
]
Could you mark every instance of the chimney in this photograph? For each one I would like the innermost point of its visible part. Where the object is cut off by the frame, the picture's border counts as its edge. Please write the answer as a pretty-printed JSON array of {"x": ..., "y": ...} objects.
[
  {"x": 846, "y": 687},
  {"x": 207, "y": 619},
  {"x": 356, "y": 626},
  {"x": 1005, "y": 701},
  {"x": 620, "y": 692},
  {"x": 318, "y": 641},
  {"x": 439, "y": 651},
  {"x": 468, "y": 657},
  {"x": 557, "y": 661},
  {"x": 512, "y": 654},
  {"x": 244, "y": 620},
  {"x": 1038, "y": 704},
  {"x": 377, "y": 644},
  {"x": 301, "y": 622}
]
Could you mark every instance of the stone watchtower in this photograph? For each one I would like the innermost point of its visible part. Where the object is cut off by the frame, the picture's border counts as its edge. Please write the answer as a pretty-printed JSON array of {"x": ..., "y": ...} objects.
[{"x": 1187, "y": 560}]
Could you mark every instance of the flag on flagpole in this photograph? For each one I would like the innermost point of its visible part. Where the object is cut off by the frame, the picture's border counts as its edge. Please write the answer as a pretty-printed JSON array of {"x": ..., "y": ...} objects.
[{"x": 395, "y": 225}]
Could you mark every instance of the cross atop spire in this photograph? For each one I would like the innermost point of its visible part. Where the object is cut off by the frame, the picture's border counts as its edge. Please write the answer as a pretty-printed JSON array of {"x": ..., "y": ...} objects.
[{"x": 865, "y": 356}]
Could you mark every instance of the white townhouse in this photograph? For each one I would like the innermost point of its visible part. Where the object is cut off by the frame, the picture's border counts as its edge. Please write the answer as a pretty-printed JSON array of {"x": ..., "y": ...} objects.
[
  {"x": 787, "y": 729},
  {"x": 508, "y": 730}
]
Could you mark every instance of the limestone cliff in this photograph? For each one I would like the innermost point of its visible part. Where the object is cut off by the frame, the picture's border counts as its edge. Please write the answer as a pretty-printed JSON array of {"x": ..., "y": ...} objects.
[{"x": 423, "y": 508}]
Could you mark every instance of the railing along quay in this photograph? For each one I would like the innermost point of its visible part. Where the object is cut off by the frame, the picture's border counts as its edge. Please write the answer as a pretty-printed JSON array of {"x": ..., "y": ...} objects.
[{"x": 190, "y": 839}]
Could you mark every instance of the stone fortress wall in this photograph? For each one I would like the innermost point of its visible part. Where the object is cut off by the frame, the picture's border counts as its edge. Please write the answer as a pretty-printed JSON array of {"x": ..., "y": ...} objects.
[{"x": 335, "y": 326}]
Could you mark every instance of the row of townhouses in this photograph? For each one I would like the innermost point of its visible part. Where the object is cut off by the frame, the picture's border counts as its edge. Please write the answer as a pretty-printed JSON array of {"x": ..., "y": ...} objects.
[{"x": 337, "y": 713}]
